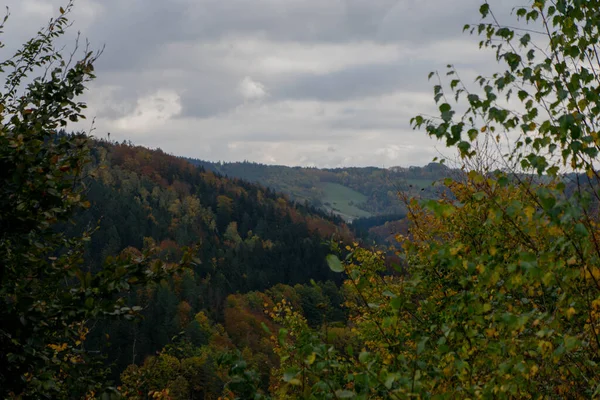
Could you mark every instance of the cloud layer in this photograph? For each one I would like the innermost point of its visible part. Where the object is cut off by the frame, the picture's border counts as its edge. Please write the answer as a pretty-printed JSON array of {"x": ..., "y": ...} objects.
[{"x": 296, "y": 82}]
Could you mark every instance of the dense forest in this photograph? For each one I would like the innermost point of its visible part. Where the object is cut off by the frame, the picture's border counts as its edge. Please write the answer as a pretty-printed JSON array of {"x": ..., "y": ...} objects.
[
  {"x": 139, "y": 194},
  {"x": 126, "y": 272}
]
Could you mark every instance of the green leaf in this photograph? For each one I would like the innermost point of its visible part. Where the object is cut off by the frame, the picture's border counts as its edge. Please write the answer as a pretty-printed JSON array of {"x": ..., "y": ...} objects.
[
  {"x": 571, "y": 342},
  {"x": 479, "y": 196},
  {"x": 334, "y": 263},
  {"x": 484, "y": 10},
  {"x": 363, "y": 357},
  {"x": 421, "y": 344},
  {"x": 581, "y": 230},
  {"x": 396, "y": 303},
  {"x": 265, "y": 328},
  {"x": 389, "y": 380},
  {"x": 522, "y": 95},
  {"x": 445, "y": 107},
  {"x": 525, "y": 39},
  {"x": 473, "y": 133},
  {"x": 290, "y": 374},
  {"x": 464, "y": 147}
]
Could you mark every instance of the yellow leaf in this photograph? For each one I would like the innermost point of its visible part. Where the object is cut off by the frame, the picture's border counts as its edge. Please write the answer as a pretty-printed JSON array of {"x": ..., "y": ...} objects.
[
  {"x": 590, "y": 172},
  {"x": 545, "y": 346},
  {"x": 448, "y": 370},
  {"x": 547, "y": 278},
  {"x": 529, "y": 211},
  {"x": 455, "y": 250},
  {"x": 534, "y": 369},
  {"x": 491, "y": 332}
]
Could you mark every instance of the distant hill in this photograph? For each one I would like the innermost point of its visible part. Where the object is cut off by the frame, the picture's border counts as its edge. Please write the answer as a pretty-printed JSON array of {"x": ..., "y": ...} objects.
[{"x": 348, "y": 192}]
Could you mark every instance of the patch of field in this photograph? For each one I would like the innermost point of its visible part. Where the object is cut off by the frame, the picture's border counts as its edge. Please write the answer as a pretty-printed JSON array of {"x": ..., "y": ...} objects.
[{"x": 342, "y": 200}]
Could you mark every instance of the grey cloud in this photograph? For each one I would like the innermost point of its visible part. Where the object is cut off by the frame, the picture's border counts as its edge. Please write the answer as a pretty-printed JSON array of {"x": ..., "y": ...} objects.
[
  {"x": 354, "y": 82},
  {"x": 202, "y": 106},
  {"x": 204, "y": 97},
  {"x": 135, "y": 31},
  {"x": 293, "y": 20},
  {"x": 139, "y": 32},
  {"x": 306, "y": 20},
  {"x": 357, "y": 123},
  {"x": 138, "y": 28},
  {"x": 290, "y": 135}
]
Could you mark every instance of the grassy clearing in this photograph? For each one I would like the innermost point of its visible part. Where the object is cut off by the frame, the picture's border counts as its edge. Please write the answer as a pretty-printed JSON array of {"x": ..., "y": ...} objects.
[{"x": 338, "y": 198}]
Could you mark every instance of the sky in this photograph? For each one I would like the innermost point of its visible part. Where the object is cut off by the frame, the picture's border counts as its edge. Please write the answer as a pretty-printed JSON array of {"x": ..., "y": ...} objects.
[{"x": 326, "y": 83}]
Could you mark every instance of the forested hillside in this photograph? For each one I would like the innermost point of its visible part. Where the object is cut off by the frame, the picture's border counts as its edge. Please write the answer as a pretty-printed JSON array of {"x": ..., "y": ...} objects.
[
  {"x": 245, "y": 238},
  {"x": 138, "y": 193},
  {"x": 348, "y": 192}
]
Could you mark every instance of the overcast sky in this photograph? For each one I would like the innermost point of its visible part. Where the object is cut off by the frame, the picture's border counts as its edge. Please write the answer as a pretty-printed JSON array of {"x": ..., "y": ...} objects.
[{"x": 297, "y": 82}]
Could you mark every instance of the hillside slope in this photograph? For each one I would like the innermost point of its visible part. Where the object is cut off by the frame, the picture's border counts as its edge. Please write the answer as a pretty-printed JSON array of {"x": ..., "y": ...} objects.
[
  {"x": 367, "y": 191},
  {"x": 248, "y": 238}
]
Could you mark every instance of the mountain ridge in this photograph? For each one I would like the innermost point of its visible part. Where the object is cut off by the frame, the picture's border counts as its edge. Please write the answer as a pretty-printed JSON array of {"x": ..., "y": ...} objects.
[{"x": 379, "y": 186}]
